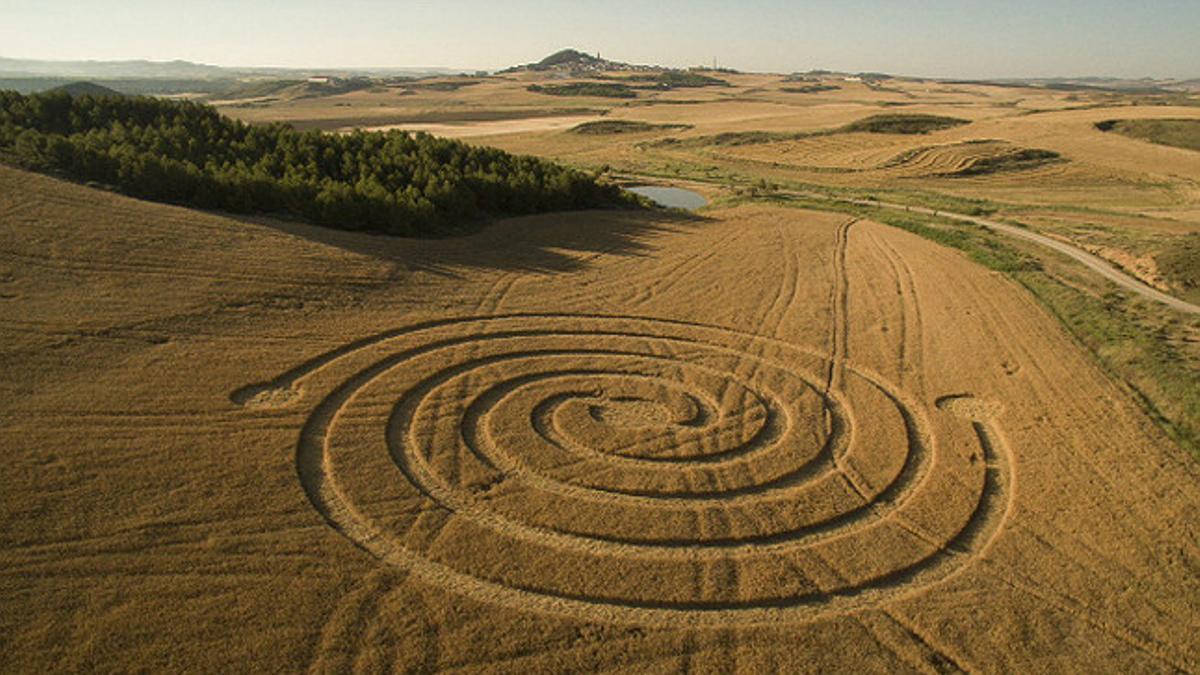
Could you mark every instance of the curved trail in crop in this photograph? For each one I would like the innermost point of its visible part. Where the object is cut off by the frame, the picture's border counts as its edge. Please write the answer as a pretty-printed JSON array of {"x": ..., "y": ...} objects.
[{"x": 747, "y": 448}]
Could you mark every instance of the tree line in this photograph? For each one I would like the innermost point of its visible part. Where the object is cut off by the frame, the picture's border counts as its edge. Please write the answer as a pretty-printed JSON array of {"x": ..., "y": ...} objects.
[
  {"x": 602, "y": 89},
  {"x": 187, "y": 153}
]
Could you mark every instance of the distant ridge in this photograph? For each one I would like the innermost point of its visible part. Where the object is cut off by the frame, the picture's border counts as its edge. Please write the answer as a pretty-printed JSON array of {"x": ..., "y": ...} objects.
[
  {"x": 185, "y": 70},
  {"x": 1144, "y": 85},
  {"x": 109, "y": 69}
]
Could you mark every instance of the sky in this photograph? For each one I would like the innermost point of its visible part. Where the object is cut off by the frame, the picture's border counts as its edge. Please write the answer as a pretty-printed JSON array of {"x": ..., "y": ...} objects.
[{"x": 932, "y": 38}]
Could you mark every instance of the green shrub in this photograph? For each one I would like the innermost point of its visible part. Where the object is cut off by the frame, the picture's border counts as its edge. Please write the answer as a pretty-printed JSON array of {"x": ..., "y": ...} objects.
[
  {"x": 904, "y": 124},
  {"x": 613, "y": 127},
  {"x": 1179, "y": 133}
]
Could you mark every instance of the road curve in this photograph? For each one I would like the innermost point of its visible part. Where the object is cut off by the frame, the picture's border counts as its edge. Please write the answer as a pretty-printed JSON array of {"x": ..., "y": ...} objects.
[{"x": 1104, "y": 268}]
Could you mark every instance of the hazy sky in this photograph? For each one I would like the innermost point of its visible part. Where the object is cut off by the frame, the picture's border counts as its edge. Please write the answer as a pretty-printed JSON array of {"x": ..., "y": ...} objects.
[{"x": 954, "y": 38}]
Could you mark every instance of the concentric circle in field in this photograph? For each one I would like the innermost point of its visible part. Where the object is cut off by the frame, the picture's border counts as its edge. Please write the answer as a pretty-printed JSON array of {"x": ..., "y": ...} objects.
[{"x": 638, "y": 469}]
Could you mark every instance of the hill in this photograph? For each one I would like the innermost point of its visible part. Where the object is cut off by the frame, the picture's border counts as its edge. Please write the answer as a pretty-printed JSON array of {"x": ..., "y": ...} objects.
[
  {"x": 290, "y": 90},
  {"x": 85, "y": 89},
  {"x": 569, "y": 58},
  {"x": 576, "y": 61}
]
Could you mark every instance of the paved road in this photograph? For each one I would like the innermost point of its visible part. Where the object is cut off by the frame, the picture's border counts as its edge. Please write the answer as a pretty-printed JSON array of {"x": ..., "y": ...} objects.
[{"x": 1096, "y": 263}]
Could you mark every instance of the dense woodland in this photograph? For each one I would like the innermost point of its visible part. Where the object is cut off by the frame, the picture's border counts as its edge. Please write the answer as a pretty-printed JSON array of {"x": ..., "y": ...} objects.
[
  {"x": 187, "y": 153},
  {"x": 627, "y": 86}
]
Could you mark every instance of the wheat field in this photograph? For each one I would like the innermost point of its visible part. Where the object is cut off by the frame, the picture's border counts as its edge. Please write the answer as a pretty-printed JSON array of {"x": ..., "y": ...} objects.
[{"x": 750, "y": 439}]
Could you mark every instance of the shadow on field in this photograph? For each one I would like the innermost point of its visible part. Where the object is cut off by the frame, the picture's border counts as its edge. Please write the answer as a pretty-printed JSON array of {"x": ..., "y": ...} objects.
[{"x": 545, "y": 243}]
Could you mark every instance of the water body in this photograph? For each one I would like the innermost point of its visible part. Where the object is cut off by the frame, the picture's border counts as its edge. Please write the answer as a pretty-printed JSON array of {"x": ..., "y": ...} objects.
[{"x": 671, "y": 197}]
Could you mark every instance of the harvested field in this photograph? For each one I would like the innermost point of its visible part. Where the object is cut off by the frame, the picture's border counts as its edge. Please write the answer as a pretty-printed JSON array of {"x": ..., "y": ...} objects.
[
  {"x": 760, "y": 439},
  {"x": 858, "y": 153}
]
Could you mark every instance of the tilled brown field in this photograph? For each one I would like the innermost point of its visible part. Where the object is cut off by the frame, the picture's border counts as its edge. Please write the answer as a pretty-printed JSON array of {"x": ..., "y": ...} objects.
[{"x": 758, "y": 440}]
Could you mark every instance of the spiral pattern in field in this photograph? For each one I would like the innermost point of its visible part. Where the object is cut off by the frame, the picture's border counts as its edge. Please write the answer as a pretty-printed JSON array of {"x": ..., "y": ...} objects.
[{"x": 639, "y": 469}]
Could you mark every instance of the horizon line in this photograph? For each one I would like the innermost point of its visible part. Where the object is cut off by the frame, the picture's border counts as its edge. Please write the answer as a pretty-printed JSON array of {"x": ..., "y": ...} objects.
[{"x": 464, "y": 69}]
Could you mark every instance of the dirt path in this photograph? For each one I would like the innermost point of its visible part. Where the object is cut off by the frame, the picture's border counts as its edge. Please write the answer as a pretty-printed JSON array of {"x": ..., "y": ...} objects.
[
  {"x": 486, "y": 128},
  {"x": 1095, "y": 263},
  {"x": 763, "y": 440}
]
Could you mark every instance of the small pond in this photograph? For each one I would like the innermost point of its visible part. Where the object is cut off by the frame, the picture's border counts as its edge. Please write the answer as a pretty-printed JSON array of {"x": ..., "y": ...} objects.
[{"x": 671, "y": 197}]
